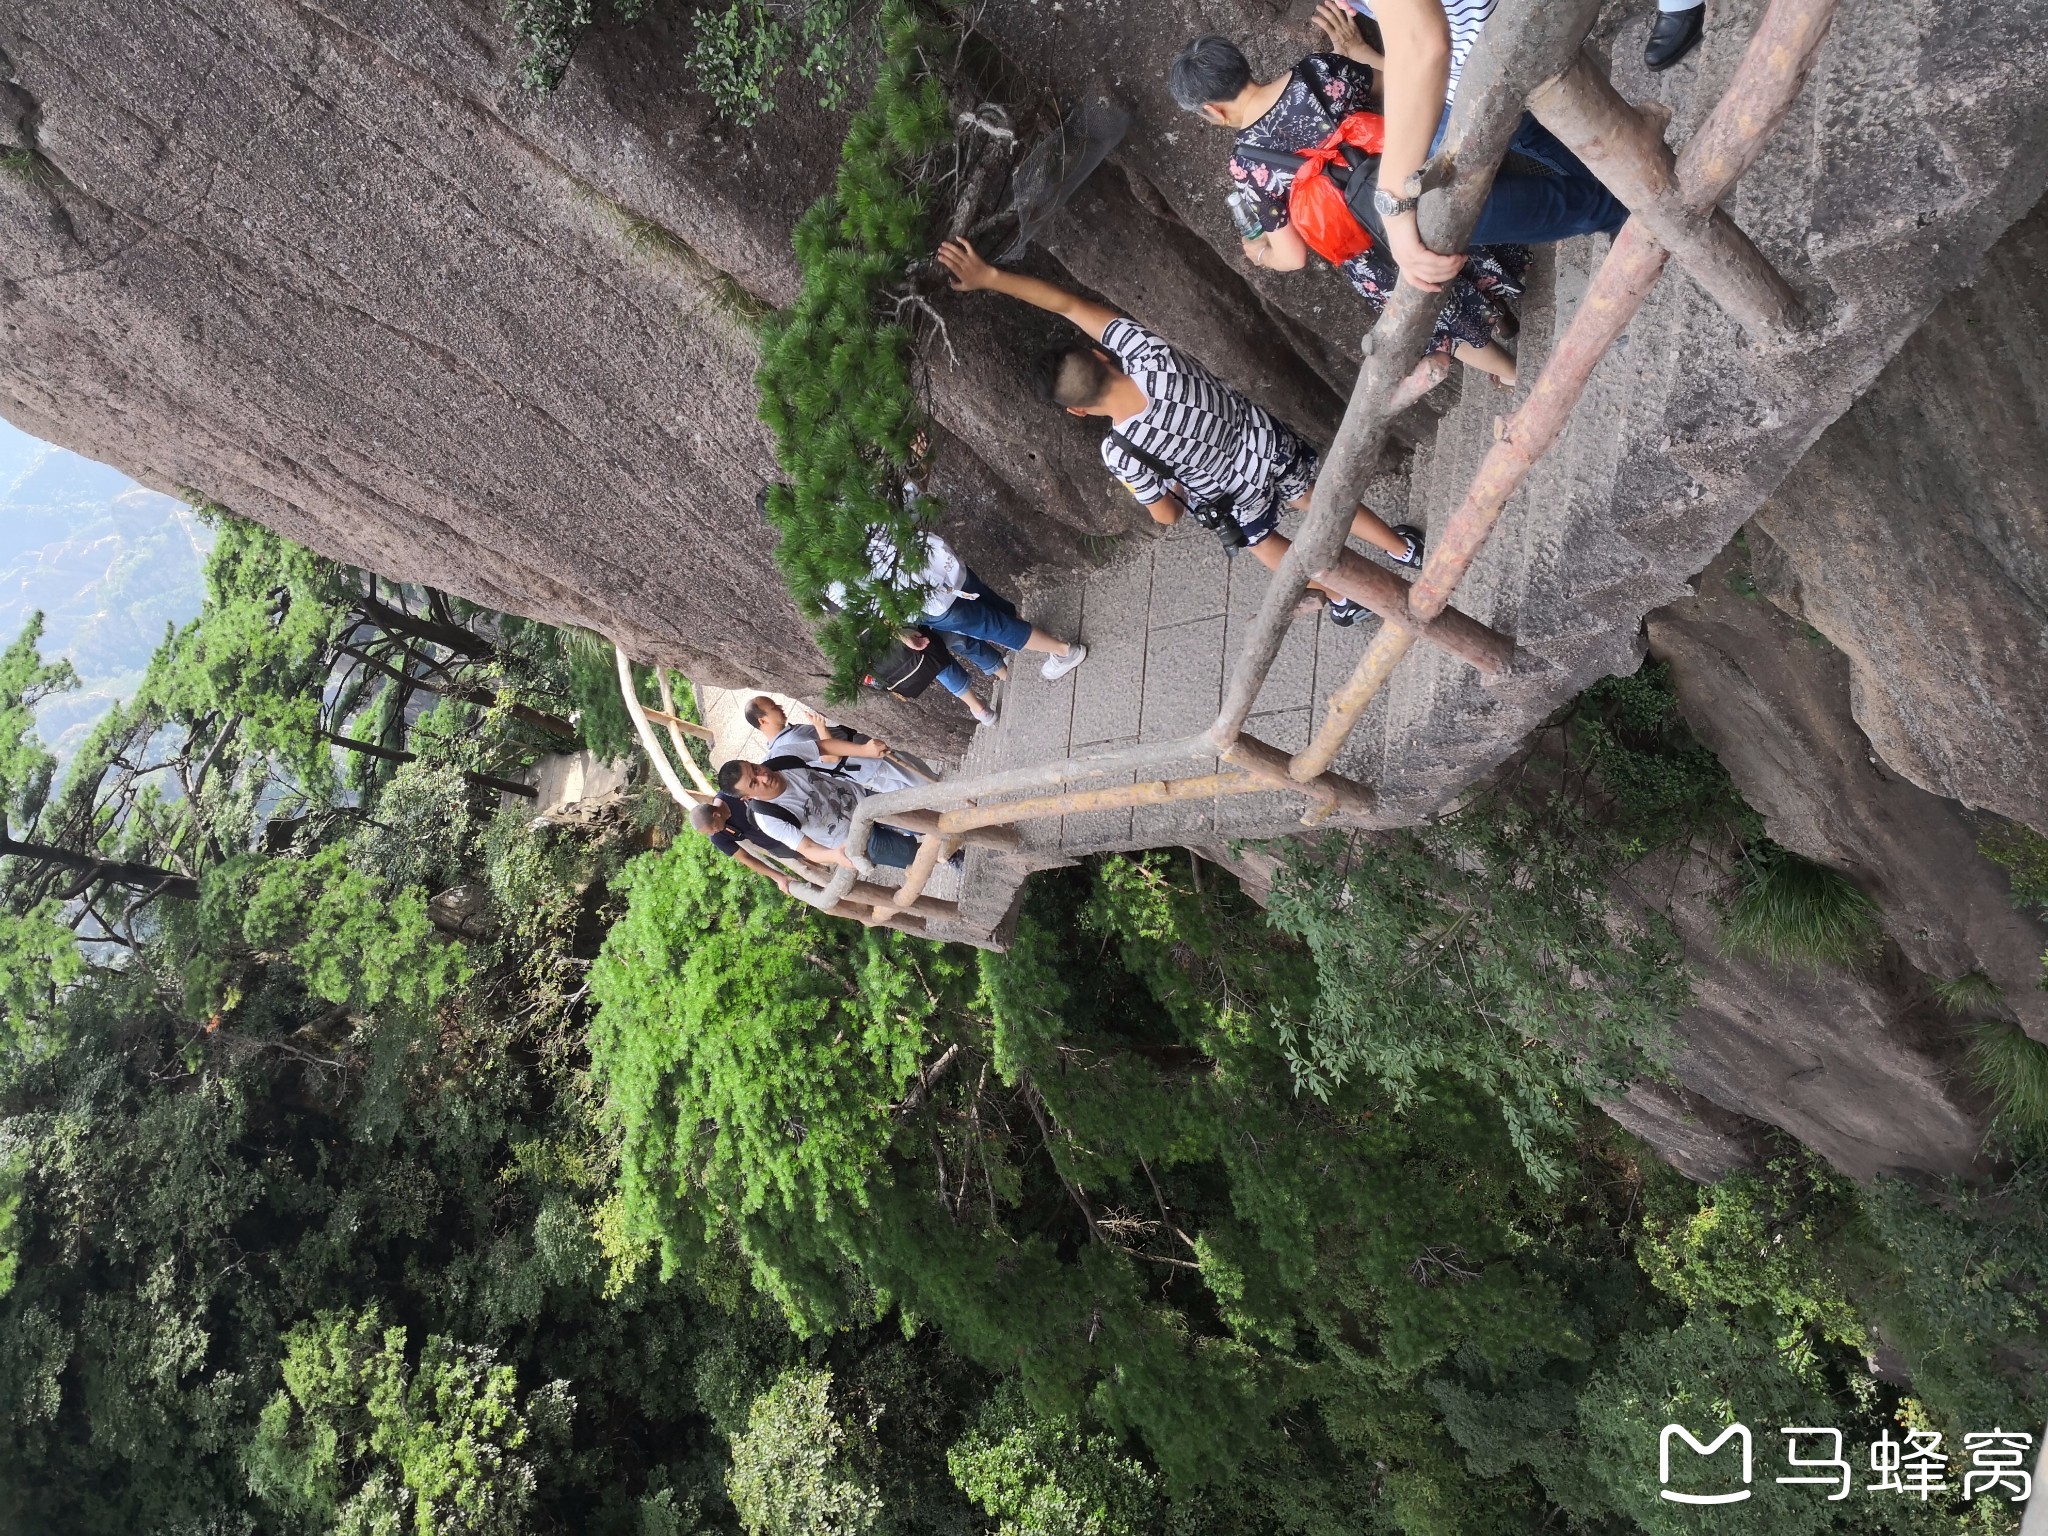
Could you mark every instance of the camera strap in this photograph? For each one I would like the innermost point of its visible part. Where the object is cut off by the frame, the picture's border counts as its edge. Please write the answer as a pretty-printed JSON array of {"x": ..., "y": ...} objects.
[{"x": 1167, "y": 472}]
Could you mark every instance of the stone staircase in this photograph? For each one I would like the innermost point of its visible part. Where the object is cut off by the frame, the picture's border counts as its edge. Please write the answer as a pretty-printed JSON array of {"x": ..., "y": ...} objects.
[{"x": 1872, "y": 209}]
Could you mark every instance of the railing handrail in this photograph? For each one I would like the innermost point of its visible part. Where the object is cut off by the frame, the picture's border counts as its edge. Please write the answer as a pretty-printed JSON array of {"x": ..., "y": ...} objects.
[
  {"x": 1524, "y": 43},
  {"x": 1529, "y": 49}
]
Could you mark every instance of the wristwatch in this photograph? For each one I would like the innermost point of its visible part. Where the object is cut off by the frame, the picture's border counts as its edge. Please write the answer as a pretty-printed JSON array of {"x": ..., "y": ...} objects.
[{"x": 1388, "y": 206}]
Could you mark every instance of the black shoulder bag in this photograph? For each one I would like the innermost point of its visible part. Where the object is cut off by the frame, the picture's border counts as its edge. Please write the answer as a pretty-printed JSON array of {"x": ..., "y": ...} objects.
[
  {"x": 1216, "y": 516},
  {"x": 907, "y": 673}
]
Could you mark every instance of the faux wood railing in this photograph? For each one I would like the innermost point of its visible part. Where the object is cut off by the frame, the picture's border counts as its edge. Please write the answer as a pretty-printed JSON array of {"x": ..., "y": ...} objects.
[{"x": 1529, "y": 55}]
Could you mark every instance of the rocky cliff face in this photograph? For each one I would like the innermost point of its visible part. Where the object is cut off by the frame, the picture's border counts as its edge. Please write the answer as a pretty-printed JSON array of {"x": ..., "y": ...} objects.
[
  {"x": 1867, "y": 664},
  {"x": 1915, "y": 537},
  {"x": 331, "y": 266}
]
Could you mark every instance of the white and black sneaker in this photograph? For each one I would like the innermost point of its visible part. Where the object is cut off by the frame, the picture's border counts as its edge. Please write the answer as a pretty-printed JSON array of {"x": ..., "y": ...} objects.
[
  {"x": 1410, "y": 535},
  {"x": 1346, "y": 613}
]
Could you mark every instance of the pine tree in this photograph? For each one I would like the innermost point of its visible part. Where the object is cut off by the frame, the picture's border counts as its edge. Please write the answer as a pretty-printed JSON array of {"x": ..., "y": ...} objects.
[{"x": 837, "y": 376}]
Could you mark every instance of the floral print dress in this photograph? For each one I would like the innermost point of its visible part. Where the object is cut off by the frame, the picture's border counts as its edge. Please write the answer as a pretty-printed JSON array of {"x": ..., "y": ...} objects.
[{"x": 1492, "y": 273}]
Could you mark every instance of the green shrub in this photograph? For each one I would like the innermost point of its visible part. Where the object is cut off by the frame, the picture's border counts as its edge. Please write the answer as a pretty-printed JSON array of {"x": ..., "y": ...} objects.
[
  {"x": 1970, "y": 993},
  {"x": 2024, "y": 854},
  {"x": 549, "y": 31},
  {"x": 1789, "y": 909},
  {"x": 836, "y": 374},
  {"x": 791, "y": 1475},
  {"x": 361, "y": 1438},
  {"x": 740, "y": 49},
  {"x": 1046, "y": 1477},
  {"x": 1483, "y": 948},
  {"x": 1659, "y": 783},
  {"x": 1956, "y": 1280},
  {"x": 2012, "y": 1066},
  {"x": 1758, "y": 1243}
]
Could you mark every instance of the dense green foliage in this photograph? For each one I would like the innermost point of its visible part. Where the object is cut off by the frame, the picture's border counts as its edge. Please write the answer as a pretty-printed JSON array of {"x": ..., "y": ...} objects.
[
  {"x": 2024, "y": 854},
  {"x": 1489, "y": 946},
  {"x": 1273, "y": 1311},
  {"x": 836, "y": 377},
  {"x": 375, "y": 1159}
]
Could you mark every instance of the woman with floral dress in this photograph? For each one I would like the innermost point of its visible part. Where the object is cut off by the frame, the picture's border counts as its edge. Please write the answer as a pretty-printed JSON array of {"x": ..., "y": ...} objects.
[{"x": 1473, "y": 317}]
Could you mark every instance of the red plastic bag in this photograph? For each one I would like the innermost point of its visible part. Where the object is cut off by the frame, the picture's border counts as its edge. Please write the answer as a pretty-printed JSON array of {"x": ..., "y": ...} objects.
[{"x": 1315, "y": 203}]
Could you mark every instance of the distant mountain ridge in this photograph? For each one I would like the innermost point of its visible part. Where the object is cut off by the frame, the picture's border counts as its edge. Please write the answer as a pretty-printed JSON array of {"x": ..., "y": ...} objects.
[{"x": 110, "y": 563}]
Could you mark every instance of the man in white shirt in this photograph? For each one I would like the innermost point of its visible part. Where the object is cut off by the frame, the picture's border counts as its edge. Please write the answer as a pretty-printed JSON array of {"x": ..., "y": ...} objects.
[
  {"x": 867, "y": 762},
  {"x": 811, "y": 811}
]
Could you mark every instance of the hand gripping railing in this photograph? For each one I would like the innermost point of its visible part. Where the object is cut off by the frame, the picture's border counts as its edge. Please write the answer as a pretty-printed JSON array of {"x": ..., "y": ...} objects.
[{"x": 1530, "y": 51}]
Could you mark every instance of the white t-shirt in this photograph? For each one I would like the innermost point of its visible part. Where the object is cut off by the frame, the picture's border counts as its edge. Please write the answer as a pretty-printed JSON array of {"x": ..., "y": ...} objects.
[
  {"x": 876, "y": 775},
  {"x": 822, "y": 804},
  {"x": 1466, "y": 17},
  {"x": 942, "y": 578}
]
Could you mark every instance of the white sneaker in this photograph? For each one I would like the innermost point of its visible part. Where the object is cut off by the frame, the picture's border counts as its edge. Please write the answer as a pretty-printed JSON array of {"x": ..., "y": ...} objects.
[{"x": 1057, "y": 667}]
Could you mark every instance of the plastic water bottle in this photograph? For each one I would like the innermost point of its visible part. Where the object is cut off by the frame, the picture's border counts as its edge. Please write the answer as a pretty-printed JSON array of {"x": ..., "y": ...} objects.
[{"x": 1244, "y": 213}]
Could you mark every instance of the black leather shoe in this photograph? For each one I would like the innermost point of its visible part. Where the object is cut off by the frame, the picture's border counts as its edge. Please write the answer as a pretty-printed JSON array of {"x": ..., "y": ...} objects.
[{"x": 1674, "y": 36}]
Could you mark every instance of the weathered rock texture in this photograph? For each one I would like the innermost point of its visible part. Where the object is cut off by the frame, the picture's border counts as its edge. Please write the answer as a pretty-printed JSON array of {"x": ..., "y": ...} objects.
[
  {"x": 1917, "y": 535},
  {"x": 1864, "y": 1064},
  {"x": 330, "y": 266},
  {"x": 1772, "y": 698}
]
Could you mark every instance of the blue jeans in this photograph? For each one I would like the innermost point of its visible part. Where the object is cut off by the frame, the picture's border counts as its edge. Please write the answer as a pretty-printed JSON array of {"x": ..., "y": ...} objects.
[
  {"x": 890, "y": 847},
  {"x": 1525, "y": 209},
  {"x": 981, "y": 624},
  {"x": 954, "y": 680}
]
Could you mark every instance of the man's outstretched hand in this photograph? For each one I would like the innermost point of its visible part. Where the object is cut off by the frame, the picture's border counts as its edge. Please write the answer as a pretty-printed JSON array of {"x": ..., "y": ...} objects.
[{"x": 969, "y": 270}]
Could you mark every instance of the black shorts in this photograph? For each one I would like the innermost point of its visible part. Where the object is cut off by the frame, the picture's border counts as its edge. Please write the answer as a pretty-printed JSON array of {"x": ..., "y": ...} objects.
[{"x": 1296, "y": 475}]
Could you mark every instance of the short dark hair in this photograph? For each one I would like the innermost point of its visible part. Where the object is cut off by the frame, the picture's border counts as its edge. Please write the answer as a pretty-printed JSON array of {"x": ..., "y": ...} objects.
[
  {"x": 729, "y": 775},
  {"x": 1209, "y": 69},
  {"x": 1074, "y": 376},
  {"x": 758, "y": 706}
]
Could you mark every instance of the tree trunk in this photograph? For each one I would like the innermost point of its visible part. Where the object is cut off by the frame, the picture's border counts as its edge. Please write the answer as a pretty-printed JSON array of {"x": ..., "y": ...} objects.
[
  {"x": 393, "y": 755},
  {"x": 122, "y": 872},
  {"x": 468, "y": 693},
  {"x": 396, "y": 621}
]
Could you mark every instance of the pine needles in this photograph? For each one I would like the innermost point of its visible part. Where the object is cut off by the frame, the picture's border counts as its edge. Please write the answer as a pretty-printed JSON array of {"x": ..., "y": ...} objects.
[
  {"x": 1789, "y": 909},
  {"x": 836, "y": 378}
]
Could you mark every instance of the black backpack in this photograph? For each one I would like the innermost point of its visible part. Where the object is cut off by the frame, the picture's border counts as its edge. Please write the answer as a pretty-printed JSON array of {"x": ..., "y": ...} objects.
[{"x": 907, "y": 673}]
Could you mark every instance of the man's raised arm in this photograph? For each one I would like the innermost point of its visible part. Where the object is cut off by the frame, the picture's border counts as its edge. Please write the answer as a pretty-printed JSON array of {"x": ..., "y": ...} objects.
[
  {"x": 970, "y": 273},
  {"x": 1417, "y": 38}
]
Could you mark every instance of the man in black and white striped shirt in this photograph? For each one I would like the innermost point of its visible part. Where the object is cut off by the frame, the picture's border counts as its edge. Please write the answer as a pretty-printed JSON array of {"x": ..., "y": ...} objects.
[{"x": 1212, "y": 445}]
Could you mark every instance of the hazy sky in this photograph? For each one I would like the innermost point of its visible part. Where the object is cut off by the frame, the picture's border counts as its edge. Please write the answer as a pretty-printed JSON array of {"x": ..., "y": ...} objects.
[{"x": 108, "y": 563}]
